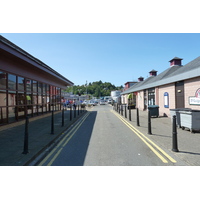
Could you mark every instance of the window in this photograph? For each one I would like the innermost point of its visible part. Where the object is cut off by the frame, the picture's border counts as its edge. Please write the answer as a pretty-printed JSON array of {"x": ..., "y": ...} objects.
[
  {"x": 11, "y": 82},
  {"x": 3, "y": 97},
  {"x": 151, "y": 96},
  {"x": 20, "y": 83},
  {"x": 39, "y": 88},
  {"x": 34, "y": 86},
  {"x": 3, "y": 78},
  {"x": 28, "y": 86}
]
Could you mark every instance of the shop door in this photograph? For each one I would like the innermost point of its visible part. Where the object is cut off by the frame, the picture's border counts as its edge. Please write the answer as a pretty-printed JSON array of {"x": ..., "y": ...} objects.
[{"x": 179, "y": 93}]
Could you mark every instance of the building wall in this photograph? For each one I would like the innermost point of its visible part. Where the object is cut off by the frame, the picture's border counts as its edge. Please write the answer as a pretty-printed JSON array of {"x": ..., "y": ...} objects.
[
  {"x": 170, "y": 89},
  {"x": 140, "y": 100},
  {"x": 22, "y": 68},
  {"x": 191, "y": 86},
  {"x": 27, "y": 89}
]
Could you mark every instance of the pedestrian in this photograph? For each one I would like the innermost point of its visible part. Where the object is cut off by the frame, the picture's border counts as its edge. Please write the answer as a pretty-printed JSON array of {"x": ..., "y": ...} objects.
[{"x": 74, "y": 105}]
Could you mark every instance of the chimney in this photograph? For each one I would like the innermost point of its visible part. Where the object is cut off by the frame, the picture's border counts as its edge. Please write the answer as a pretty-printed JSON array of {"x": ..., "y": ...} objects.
[
  {"x": 175, "y": 62},
  {"x": 153, "y": 73},
  {"x": 140, "y": 79}
]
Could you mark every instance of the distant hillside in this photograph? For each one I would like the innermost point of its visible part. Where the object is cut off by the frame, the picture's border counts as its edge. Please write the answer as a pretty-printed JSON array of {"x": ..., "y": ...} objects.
[{"x": 96, "y": 89}]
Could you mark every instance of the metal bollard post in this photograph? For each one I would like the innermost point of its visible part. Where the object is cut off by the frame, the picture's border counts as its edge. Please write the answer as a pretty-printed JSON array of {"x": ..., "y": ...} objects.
[
  {"x": 74, "y": 112},
  {"x": 138, "y": 120},
  {"x": 78, "y": 109},
  {"x": 26, "y": 137},
  {"x": 129, "y": 113},
  {"x": 149, "y": 122},
  {"x": 122, "y": 110},
  {"x": 63, "y": 120},
  {"x": 174, "y": 135},
  {"x": 52, "y": 122},
  {"x": 70, "y": 113},
  {"x": 125, "y": 111}
]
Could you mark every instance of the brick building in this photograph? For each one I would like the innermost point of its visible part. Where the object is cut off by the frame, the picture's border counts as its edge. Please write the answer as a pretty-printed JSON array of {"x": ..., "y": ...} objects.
[{"x": 176, "y": 87}]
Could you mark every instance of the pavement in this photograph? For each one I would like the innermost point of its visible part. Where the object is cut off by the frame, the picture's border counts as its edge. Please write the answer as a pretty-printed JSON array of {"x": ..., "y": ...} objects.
[
  {"x": 161, "y": 129},
  {"x": 41, "y": 140}
]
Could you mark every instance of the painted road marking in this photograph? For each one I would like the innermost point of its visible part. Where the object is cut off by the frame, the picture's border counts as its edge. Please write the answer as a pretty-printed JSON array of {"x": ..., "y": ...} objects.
[
  {"x": 63, "y": 143},
  {"x": 145, "y": 139}
]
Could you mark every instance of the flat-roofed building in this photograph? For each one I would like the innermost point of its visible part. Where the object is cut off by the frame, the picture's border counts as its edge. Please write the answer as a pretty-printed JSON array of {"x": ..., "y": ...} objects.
[{"x": 28, "y": 87}]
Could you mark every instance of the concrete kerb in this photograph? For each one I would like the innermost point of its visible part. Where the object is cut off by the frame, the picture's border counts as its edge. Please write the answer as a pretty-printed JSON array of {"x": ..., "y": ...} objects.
[{"x": 37, "y": 158}]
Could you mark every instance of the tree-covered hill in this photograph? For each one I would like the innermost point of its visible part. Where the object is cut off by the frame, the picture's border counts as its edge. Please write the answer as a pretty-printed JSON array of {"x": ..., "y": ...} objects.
[{"x": 96, "y": 89}]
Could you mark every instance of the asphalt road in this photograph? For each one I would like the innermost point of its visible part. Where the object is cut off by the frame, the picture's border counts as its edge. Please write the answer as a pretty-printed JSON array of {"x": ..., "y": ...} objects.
[{"x": 103, "y": 138}]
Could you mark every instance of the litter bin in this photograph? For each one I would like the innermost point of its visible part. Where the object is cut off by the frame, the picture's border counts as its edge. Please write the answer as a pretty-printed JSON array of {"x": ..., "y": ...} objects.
[
  {"x": 190, "y": 119},
  {"x": 176, "y": 112},
  {"x": 154, "y": 110}
]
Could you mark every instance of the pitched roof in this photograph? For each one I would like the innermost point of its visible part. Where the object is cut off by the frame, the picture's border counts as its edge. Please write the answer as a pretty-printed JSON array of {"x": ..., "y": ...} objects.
[
  {"x": 170, "y": 75},
  {"x": 175, "y": 58}
]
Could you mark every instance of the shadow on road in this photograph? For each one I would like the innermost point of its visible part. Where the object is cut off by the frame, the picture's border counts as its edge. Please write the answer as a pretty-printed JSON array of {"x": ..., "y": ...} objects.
[
  {"x": 189, "y": 152},
  {"x": 75, "y": 151}
]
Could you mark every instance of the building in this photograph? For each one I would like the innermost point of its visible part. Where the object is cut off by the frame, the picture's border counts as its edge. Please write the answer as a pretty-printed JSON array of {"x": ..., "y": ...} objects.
[
  {"x": 176, "y": 87},
  {"x": 115, "y": 95},
  {"x": 128, "y": 84},
  {"x": 124, "y": 98},
  {"x": 28, "y": 87}
]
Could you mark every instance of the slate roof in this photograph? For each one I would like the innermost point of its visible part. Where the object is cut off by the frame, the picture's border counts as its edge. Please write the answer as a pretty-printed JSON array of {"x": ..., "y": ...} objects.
[{"x": 170, "y": 75}]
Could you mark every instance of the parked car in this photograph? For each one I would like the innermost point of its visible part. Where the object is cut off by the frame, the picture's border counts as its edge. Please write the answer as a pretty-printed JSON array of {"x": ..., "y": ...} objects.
[
  {"x": 109, "y": 101},
  {"x": 85, "y": 102},
  {"x": 92, "y": 103},
  {"x": 102, "y": 102}
]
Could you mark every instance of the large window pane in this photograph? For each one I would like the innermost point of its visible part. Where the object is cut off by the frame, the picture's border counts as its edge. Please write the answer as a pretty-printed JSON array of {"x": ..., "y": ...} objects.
[
  {"x": 21, "y": 112},
  {"x": 35, "y": 99},
  {"x": 11, "y": 114},
  {"x": 3, "y": 116},
  {"x": 3, "y": 80},
  {"x": 21, "y": 83},
  {"x": 44, "y": 89},
  {"x": 20, "y": 99},
  {"x": 2, "y": 97},
  {"x": 12, "y": 98},
  {"x": 29, "y": 99},
  {"x": 28, "y": 86},
  {"x": 48, "y": 90},
  {"x": 40, "y": 88},
  {"x": 11, "y": 82},
  {"x": 35, "y": 86}
]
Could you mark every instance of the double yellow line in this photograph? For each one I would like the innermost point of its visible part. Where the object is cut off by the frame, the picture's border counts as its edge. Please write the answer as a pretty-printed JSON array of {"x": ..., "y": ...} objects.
[
  {"x": 156, "y": 149},
  {"x": 63, "y": 143}
]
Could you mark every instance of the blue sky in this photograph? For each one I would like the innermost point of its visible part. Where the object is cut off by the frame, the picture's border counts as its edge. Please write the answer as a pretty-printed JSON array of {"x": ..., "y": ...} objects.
[{"x": 109, "y": 57}]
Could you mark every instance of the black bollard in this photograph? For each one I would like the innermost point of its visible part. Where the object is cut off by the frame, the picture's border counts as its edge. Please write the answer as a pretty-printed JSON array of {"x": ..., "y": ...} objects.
[
  {"x": 125, "y": 111},
  {"x": 129, "y": 107},
  {"x": 138, "y": 120},
  {"x": 70, "y": 113},
  {"x": 149, "y": 122},
  {"x": 74, "y": 111},
  {"x": 52, "y": 122},
  {"x": 78, "y": 109},
  {"x": 174, "y": 135},
  {"x": 26, "y": 137},
  {"x": 122, "y": 110},
  {"x": 63, "y": 119}
]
